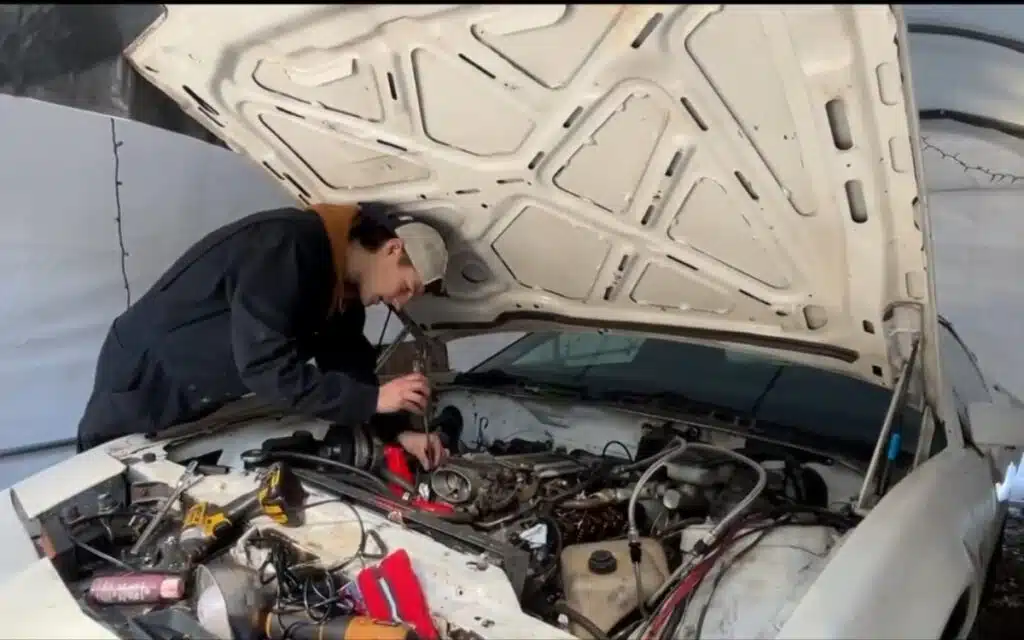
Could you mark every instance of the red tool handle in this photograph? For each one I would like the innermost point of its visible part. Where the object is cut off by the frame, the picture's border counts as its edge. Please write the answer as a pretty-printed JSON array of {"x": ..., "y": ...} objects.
[{"x": 397, "y": 462}]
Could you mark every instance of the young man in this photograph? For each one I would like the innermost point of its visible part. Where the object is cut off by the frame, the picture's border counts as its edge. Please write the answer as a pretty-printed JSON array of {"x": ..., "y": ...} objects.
[{"x": 247, "y": 307}]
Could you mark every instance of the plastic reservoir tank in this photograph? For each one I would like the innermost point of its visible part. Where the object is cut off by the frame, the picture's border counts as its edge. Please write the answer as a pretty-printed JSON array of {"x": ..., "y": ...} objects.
[{"x": 599, "y": 583}]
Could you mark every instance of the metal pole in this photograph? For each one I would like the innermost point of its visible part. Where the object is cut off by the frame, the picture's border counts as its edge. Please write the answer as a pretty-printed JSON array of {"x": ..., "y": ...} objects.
[
  {"x": 37, "y": 447},
  {"x": 890, "y": 416}
]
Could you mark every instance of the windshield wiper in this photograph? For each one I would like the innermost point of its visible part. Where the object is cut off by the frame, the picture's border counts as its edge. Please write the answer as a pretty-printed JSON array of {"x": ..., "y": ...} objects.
[{"x": 496, "y": 378}]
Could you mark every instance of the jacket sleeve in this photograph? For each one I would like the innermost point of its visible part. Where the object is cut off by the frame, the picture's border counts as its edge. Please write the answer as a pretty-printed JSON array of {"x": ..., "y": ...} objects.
[
  {"x": 343, "y": 346},
  {"x": 266, "y": 305}
]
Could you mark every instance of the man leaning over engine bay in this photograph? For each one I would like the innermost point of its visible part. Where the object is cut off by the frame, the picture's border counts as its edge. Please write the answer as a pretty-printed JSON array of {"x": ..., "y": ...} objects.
[{"x": 246, "y": 308}]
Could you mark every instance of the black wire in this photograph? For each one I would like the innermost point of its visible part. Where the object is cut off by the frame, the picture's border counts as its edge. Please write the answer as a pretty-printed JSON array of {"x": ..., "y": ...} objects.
[
  {"x": 301, "y": 586},
  {"x": 604, "y": 452},
  {"x": 756, "y": 406},
  {"x": 384, "y": 329},
  {"x": 328, "y": 462},
  {"x": 563, "y": 607},
  {"x": 316, "y": 591},
  {"x": 96, "y": 553},
  {"x": 764, "y": 531}
]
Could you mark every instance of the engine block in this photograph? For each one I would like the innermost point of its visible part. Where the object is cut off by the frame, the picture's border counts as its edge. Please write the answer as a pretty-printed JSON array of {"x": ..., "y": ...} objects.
[{"x": 483, "y": 483}]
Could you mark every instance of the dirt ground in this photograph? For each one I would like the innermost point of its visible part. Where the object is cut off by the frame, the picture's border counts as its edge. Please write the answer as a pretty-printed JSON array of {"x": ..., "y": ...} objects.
[{"x": 1003, "y": 617}]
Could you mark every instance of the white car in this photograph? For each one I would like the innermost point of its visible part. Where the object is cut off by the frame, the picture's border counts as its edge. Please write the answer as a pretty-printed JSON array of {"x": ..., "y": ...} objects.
[{"x": 736, "y": 412}]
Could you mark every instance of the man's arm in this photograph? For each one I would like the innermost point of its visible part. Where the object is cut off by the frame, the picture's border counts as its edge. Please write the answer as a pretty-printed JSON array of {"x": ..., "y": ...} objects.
[
  {"x": 343, "y": 346},
  {"x": 264, "y": 306}
]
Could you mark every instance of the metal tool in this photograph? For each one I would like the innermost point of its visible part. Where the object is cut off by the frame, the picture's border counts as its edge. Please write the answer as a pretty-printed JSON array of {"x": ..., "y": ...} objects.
[
  {"x": 421, "y": 363},
  {"x": 296, "y": 625},
  {"x": 186, "y": 480},
  {"x": 279, "y": 496}
]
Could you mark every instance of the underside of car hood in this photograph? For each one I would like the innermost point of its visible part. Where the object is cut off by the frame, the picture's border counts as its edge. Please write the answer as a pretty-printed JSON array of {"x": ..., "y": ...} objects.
[{"x": 739, "y": 173}]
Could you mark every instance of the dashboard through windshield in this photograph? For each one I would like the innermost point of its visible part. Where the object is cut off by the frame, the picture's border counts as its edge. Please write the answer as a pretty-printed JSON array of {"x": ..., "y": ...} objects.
[{"x": 815, "y": 401}]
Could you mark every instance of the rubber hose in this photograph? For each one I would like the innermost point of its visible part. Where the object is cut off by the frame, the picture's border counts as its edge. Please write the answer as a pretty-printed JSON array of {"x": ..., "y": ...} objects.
[
  {"x": 575, "y": 616},
  {"x": 327, "y": 462}
]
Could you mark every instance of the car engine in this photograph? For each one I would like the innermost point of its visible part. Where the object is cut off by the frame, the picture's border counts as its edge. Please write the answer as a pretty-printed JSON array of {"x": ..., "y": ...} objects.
[{"x": 594, "y": 544}]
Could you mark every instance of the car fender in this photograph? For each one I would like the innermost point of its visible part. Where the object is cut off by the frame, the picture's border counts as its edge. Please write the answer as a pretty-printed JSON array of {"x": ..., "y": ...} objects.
[{"x": 902, "y": 571}]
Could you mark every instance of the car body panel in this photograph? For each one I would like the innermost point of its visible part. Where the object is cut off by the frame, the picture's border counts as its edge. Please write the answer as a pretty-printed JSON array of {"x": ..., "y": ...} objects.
[
  {"x": 902, "y": 570},
  {"x": 730, "y": 174}
]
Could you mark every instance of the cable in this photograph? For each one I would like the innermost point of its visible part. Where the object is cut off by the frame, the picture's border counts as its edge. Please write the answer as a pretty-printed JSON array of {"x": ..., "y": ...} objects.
[
  {"x": 619, "y": 443},
  {"x": 672, "y": 604},
  {"x": 595, "y": 632},
  {"x": 328, "y": 462},
  {"x": 384, "y": 328},
  {"x": 711, "y": 540},
  {"x": 756, "y": 406},
  {"x": 672, "y": 608},
  {"x": 633, "y": 531},
  {"x": 763, "y": 531},
  {"x": 88, "y": 548},
  {"x": 303, "y": 586}
]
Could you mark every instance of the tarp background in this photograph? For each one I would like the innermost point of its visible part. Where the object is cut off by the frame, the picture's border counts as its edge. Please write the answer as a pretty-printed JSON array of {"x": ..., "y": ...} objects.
[
  {"x": 82, "y": 228},
  {"x": 71, "y": 55}
]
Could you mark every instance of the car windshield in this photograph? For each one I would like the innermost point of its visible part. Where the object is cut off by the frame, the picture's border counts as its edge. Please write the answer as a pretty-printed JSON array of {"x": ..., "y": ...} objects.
[{"x": 823, "y": 405}]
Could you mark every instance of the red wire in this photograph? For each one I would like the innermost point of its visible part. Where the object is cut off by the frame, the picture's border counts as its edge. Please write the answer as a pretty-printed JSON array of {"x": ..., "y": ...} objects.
[{"x": 686, "y": 586}]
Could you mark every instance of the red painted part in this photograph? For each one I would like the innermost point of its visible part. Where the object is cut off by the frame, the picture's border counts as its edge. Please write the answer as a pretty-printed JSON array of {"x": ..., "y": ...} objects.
[
  {"x": 397, "y": 462},
  {"x": 432, "y": 506}
]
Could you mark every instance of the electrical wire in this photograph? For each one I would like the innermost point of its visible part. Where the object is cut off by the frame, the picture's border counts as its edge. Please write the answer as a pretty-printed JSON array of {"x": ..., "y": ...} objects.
[
  {"x": 595, "y": 632},
  {"x": 104, "y": 518},
  {"x": 328, "y": 462},
  {"x": 672, "y": 608},
  {"x": 384, "y": 328},
  {"x": 761, "y": 533},
  {"x": 621, "y": 445},
  {"x": 315, "y": 591},
  {"x": 708, "y": 542},
  {"x": 306, "y": 586}
]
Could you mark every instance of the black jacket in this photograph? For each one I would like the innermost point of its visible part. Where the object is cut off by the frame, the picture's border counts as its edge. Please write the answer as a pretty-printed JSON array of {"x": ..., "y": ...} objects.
[{"x": 244, "y": 309}]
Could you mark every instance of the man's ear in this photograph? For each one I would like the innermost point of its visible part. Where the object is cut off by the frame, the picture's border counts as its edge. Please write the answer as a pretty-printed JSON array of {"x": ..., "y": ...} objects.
[{"x": 394, "y": 246}]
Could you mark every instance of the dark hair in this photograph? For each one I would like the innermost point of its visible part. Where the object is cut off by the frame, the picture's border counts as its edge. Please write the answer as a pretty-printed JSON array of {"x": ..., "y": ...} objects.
[
  {"x": 369, "y": 232},
  {"x": 372, "y": 227}
]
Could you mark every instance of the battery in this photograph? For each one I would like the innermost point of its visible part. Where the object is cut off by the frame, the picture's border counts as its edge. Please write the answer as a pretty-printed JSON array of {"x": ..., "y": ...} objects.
[{"x": 137, "y": 588}]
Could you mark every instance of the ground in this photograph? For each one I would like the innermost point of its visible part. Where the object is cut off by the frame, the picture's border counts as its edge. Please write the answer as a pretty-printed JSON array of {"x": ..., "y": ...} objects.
[{"x": 1003, "y": 616}]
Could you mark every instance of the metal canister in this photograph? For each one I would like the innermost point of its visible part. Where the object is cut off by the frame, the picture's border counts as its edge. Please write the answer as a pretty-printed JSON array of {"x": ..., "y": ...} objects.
[{"x": 137, "y": 588}]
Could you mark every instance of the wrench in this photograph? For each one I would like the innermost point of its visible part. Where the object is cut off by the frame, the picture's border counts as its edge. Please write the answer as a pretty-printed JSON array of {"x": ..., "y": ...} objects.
[{"x": 187, "y": 479}]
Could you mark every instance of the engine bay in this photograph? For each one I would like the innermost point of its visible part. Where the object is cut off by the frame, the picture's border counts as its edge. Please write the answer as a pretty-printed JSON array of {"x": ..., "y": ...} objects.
[{"x": 655, "y": 535}]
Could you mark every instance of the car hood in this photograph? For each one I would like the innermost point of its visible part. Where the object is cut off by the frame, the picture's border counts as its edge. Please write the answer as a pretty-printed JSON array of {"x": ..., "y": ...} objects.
[{"x": 732, "y": 173}]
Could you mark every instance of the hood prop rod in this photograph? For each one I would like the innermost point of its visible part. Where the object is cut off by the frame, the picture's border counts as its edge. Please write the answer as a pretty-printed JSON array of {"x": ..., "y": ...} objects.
[
  {"x": 906, "y": 372},
  {"x": 421, "y": 364}
]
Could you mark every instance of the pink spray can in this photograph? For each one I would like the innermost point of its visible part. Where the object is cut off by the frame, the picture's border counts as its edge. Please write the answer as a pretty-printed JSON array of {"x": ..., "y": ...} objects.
[{"x": 137, "y": 588}]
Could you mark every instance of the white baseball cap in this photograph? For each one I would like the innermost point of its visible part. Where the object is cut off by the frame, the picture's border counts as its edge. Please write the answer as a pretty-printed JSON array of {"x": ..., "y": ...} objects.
[
  {"x": 423, "y": 244},
  {"x": 425, "y": 248}
]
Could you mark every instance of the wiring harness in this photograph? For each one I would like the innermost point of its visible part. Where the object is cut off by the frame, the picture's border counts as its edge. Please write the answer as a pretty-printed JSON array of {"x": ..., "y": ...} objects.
[{"x": 752, "y": 528}]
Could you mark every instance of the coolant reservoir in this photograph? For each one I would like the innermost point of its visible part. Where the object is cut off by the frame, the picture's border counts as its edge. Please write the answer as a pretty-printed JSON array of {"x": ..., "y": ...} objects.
[{"x": 599, "y": 583}]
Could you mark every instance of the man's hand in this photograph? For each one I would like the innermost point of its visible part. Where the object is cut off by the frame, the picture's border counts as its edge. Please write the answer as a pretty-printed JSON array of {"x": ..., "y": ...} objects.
[
  {"x": 427, "y": 448},
  {"x": 405, "y": 393}
]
